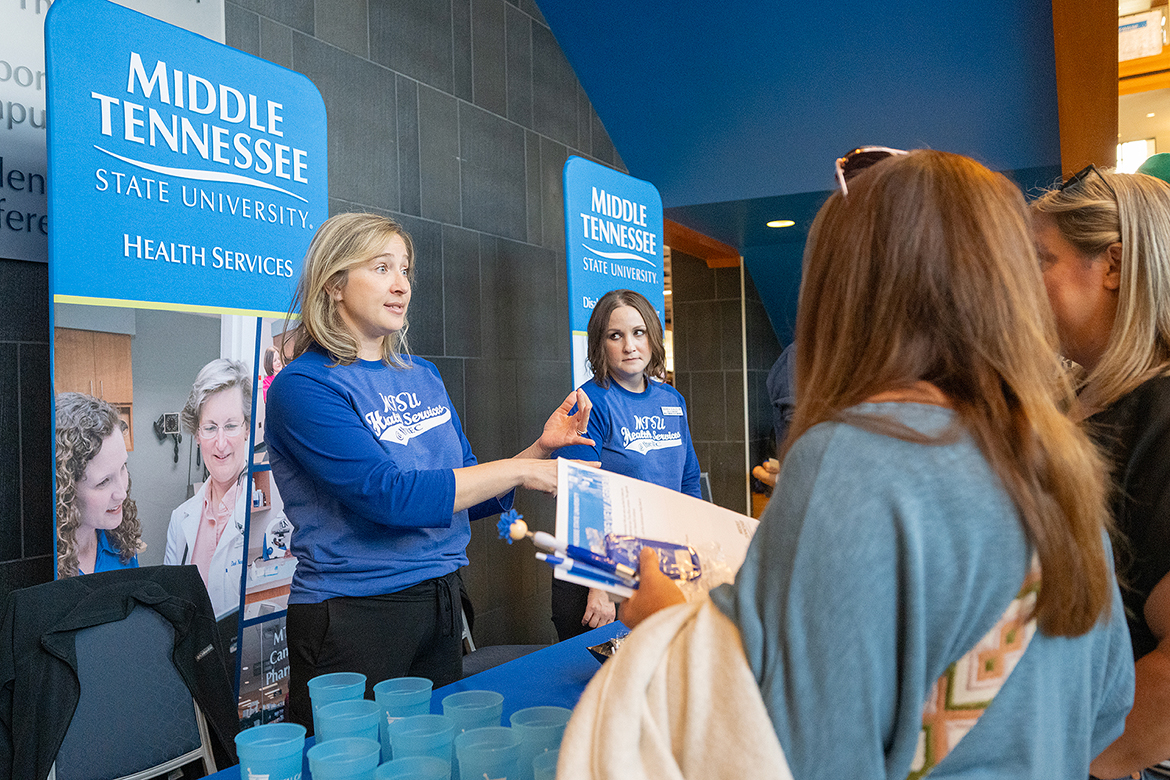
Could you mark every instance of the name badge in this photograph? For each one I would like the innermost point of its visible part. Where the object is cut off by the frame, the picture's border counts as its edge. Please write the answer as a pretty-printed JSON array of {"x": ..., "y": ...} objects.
[{"x": 672, "y": 411}]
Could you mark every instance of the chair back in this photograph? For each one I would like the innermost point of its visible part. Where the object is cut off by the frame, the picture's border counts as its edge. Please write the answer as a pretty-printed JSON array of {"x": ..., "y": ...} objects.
[{"x": 135, "y": 716}]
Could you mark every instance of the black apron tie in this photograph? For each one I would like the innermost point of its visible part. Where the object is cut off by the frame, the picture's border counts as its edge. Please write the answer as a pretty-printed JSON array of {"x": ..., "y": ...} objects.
[{"x": 445, "y": 602}]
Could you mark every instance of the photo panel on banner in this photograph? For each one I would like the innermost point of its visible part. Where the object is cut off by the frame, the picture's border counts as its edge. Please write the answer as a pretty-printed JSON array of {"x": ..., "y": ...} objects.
[{"x": 193, "y": 177}]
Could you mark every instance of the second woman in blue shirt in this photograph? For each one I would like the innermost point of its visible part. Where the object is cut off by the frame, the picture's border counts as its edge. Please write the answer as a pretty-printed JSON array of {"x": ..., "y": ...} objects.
[{"x": 638, "y": 424}]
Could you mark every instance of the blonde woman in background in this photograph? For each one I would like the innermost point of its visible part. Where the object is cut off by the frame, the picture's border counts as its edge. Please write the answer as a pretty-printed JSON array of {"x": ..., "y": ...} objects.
[{"x": 1104, "y": 245}]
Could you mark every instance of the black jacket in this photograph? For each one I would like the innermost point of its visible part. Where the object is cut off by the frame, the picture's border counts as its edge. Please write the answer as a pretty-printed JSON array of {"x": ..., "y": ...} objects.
[
  {"x": 39, "y": 687},
  {"x": 1134, "y": 435}
]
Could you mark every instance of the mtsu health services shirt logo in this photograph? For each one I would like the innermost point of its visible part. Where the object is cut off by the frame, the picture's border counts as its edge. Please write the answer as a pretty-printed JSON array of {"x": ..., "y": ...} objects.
[
  {"x": 402, "y": 418},
  {"x": 649, "y": 434}
]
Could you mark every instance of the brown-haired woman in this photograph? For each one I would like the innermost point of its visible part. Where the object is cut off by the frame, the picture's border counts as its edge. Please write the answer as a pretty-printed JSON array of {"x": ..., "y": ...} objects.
[
  {"x": 1104, "y": 244},
  {"x": 97, "y": 521},
  {"x": 929, "y": 464},
  {"x": 376, "y": 474},
  {"x": 639, "y": 424}
]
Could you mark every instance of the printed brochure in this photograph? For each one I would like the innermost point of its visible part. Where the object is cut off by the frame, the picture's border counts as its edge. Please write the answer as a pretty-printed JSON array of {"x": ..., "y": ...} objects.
[{"x": 699, "y": 544}]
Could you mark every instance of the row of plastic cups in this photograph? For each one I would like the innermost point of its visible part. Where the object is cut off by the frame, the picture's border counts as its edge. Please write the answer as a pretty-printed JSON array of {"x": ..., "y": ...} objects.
[
  {"x": 424, "y": 744},
  {"x": 488, "y": 752},
  {"x": 399, "y": 721},
  {"x": 273, "y": 751},
  {"x": 340, "y": 708},
  {"x": 534, "y": 731},
  {"x": 492, "y": 751}
]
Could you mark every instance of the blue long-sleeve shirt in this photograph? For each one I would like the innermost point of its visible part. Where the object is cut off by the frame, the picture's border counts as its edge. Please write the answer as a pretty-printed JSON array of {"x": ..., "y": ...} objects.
[
  {"x": 363, "y": 456},
  {"x": 642, "y": 435}
]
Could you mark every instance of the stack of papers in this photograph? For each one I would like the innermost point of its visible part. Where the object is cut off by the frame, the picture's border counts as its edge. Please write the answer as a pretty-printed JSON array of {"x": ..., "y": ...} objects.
[{"x": 704, "y": 544}]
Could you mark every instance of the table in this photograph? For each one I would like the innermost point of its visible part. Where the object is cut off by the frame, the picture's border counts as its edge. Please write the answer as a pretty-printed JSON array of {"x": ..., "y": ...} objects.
[{"x": 554, "y": 675}]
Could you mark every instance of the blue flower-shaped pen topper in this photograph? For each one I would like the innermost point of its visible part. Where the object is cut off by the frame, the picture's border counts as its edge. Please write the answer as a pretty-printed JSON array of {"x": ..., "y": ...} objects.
[{"x": 512, "y": 526}]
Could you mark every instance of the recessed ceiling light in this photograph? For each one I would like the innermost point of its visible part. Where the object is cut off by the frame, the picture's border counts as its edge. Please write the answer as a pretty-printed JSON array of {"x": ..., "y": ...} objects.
[
  {"x": 779, "y": 223},
  {"x": 1150, "y": 115}
]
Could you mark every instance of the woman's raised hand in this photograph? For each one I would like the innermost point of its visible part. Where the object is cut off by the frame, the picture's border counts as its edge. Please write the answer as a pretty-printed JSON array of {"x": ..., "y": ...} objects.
[{"x": 564, "y": 429}]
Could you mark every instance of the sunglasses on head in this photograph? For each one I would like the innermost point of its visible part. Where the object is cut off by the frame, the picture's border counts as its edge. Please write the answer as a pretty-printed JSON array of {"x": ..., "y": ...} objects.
[
  {"x": 859, "y": 159},
  {"x": 1081, "y": 175}
]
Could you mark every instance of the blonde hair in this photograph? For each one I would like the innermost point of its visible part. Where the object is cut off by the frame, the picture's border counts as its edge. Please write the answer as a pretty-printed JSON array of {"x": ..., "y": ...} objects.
[
  {"x": 926, "y": 271},
  {"x": 83, "y": 423},
  {"x": 1133, "y": 210},
  {"x": 599, "y": 323},
  {"x": 343, "y": 242}
]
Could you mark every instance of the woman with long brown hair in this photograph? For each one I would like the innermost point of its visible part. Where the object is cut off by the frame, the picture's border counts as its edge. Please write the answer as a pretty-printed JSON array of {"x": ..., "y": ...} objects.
[{"x": 933, "y": 559}]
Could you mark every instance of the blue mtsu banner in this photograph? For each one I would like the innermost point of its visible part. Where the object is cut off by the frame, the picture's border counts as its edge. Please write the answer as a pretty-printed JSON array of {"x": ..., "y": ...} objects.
[
  {"x": 613, "y": 240},
  {"x": 183, "y": 173}
]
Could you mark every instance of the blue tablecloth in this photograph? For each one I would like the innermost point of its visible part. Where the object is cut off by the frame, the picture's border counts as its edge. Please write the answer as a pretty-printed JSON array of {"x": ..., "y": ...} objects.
[{"x": 555, "y": 675}]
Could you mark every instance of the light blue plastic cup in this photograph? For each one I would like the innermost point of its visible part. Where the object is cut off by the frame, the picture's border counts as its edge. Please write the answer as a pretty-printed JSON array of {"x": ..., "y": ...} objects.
[
  {"x": 337, "y": 686},
  {"x": 273, "y": 750},
  {"x": 352, "y": 718},
  {"x": 474, "y": 709},
  {"x": 401, "y": 698},
  {"x": 347, "y": 758},
  {"x": 489, "y": 752},
  {"x": 540, "y": 730},
  {"x": 544, "y": 766},
  {"x": 423, "y": 735},
  {"x": 414, "y": 768}
]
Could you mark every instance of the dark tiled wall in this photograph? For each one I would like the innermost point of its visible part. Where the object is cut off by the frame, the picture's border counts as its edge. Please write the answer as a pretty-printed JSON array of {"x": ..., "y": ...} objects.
[
  {"x": 26, "y": 519},
  {"x": 456, "y": 118},
  {"x": 709, "y": 369},
  {"x": 762, "y": 350}
]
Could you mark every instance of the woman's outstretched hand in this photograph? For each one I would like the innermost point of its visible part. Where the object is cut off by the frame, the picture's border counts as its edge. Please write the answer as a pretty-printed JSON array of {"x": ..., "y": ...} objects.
[
  {"x": 564, "y": 429},
  {"x": 655, "y": 591}
]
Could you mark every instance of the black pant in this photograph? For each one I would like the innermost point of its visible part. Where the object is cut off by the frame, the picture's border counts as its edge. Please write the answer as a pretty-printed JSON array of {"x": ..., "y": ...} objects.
[
  {"x": 412, "y": 633},
  {"x": 568, "y": 607}
]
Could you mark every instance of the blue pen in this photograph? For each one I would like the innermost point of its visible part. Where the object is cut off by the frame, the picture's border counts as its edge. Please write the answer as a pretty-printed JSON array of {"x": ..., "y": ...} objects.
[
  {"x": 587, "y": 571},
  {"x": 582, "y": 555}
]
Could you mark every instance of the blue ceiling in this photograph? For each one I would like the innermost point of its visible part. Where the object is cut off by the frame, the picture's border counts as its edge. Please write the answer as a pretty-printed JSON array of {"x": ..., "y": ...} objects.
[{"x": 736, "y": 110}]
